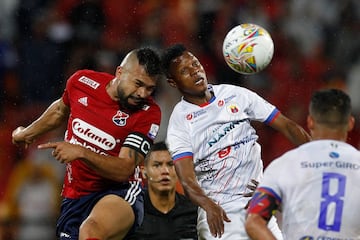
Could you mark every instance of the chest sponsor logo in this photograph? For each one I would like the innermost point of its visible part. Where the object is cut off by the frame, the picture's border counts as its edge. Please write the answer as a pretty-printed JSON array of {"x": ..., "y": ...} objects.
[
  {"x": 222, "y": 132},
  {"x": 88, "y": 81},
  {"x": 224, "y": 152},
  {"x": 221, "y": 103},
  {"x": 120, "y": 118},
  {"x": 92, "y": 134},
  {"x": 196, "y": 114},
  {"x": 189, "y": 116}
]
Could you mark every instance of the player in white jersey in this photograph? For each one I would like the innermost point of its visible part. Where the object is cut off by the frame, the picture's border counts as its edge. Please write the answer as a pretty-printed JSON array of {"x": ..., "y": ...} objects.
[
  {"x": 215, "y": 147},
  {"x": 316, "y": 186}
]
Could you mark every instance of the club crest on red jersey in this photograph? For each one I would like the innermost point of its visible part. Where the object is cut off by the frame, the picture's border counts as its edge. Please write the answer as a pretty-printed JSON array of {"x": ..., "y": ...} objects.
[{"x": 120, "y": 118}]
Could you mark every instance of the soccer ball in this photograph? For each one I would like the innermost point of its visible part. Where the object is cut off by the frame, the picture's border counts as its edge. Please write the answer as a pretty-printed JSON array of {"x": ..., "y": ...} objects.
[{"x": 248, "y": 48}]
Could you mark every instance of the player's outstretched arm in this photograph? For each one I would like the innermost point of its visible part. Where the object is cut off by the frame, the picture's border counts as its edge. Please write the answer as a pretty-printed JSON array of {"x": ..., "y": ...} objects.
[
  {"x": 52, "y": 118},
  {"x": 215, "y": 214},
  {"x": 294, "y": 132},
  {"x": 117, "y": 168}
]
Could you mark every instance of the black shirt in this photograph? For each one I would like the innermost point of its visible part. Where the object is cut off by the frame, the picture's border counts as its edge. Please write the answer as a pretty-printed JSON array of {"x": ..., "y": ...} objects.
[{"x": 178, "y": 224}]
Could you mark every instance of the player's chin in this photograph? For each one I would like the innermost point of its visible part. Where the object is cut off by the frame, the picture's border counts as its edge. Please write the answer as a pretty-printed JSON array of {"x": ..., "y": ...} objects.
[
  {"x": 136, "y": 101},
  {"x": 135, "y": 104}
]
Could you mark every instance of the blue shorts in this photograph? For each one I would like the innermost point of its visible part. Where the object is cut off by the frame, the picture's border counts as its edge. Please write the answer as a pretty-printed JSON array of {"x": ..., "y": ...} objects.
[{"x": 75, "y": 211}]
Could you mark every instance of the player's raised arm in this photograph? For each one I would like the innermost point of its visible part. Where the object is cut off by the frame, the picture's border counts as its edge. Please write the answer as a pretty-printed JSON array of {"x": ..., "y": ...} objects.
[
  {"x": 53, "y": 117},
  {"x": 294, "y": 132}
]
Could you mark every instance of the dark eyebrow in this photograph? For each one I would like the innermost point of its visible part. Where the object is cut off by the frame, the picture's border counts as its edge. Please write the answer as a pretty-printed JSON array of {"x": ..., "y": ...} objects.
[{"x": 142, "y": 83}]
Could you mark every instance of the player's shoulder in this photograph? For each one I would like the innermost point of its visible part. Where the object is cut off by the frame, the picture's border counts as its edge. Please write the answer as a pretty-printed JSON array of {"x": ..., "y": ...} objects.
[
  {"x": 89, "y": 72},
  {"x": 299, "y": 153},
  {"x": 182, "y": 107},
  {"x": 90, "y": 78},
  {"x": 229, "y": 89}
]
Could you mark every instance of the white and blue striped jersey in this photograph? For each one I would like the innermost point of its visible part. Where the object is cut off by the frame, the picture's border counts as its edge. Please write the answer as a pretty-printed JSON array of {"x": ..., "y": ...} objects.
[
  {"x": 219, "y": 137},
  {"x": 317, "y": 185}
]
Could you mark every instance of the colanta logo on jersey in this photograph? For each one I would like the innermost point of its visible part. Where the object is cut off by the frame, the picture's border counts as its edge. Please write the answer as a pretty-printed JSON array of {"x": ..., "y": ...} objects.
[
  {"x": 120, "y": 118},
  {"x": 92, "y": 134}
]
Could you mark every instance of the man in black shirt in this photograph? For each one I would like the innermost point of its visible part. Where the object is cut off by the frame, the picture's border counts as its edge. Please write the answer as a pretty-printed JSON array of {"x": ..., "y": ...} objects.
[{"x": 168, "y": 214}]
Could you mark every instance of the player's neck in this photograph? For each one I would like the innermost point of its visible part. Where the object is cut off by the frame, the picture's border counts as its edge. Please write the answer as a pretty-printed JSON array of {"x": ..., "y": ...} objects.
[
  {"x": 111, "y": 90},
  {"x": 333, "y": 134},
  {"x": 163, "y": 201},
  {"x": 200, "y": 99}
]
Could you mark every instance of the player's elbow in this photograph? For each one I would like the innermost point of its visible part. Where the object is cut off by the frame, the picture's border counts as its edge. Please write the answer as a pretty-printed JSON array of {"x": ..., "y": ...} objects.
[
  {"x": 123, "y": 174},
  {"x": 250, "y": 224}
]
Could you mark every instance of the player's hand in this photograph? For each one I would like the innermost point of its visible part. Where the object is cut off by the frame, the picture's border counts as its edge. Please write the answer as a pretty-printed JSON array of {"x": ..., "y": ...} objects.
[
  {"x": 252, "y": 186},
  {"x": 18, "y": 137},
  {"x": 64, "y": 152},
  {"x": 215, "y": 218}
]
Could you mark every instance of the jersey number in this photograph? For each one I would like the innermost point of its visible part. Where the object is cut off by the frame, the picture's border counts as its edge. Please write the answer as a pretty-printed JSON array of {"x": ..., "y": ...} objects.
[{"x": 332, "y": 203}]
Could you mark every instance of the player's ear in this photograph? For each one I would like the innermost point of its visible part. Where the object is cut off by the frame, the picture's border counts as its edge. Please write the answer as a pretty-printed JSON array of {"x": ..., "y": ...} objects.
[
  {"x": 310, "y": 122},
  {"x": 171, "y": 82},
  {"x": 351, "y": 123},
  {"x": 143, "y": 172},
  {"x": 118, "y": 70}
]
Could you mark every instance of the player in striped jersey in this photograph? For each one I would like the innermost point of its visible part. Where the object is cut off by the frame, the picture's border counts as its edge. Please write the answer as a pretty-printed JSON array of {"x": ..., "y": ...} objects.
[
  {"x": 316, "y": 186},
  {"x": 214, "y": 146},
  {"x": 112, "y": 121}
]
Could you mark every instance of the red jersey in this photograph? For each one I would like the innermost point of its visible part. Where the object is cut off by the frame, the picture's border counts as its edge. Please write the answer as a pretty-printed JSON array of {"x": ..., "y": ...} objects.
[{"x": 98, "y": 123}]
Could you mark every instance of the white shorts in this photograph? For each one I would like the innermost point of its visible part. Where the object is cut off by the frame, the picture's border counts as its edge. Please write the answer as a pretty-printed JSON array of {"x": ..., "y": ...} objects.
[{"x": 234, "y": 229}]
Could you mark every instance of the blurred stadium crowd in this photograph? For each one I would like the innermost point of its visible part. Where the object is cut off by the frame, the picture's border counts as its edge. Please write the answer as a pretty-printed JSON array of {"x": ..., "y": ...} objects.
[{"x": 42, "y": 42}]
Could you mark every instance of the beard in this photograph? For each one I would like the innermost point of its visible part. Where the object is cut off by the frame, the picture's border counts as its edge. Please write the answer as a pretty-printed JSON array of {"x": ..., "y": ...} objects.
[{"x": 124, "y": 102}]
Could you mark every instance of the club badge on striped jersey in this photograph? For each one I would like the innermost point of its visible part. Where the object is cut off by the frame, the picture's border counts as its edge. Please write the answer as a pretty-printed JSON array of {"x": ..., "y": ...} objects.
[{"x": 120, "y": 118}]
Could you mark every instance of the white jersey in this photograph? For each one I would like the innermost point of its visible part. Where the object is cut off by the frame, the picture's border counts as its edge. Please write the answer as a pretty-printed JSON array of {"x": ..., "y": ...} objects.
[
  {"x": 219, "y": 137},
  {"x": 318, "y": 187}
]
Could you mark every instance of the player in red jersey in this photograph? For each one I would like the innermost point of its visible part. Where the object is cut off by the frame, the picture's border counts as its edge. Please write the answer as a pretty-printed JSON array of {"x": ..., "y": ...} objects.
[{"x": 112, "y": 121}]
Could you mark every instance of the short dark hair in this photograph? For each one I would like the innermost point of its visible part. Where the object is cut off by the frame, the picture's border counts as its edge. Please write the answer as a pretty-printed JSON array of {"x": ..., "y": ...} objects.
[
  {"x": 158, "y": 146},
  {"x": 150, "y": 59},
  {"x": 331, "y": 107},
  {"x": 170, "y": 54}
]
